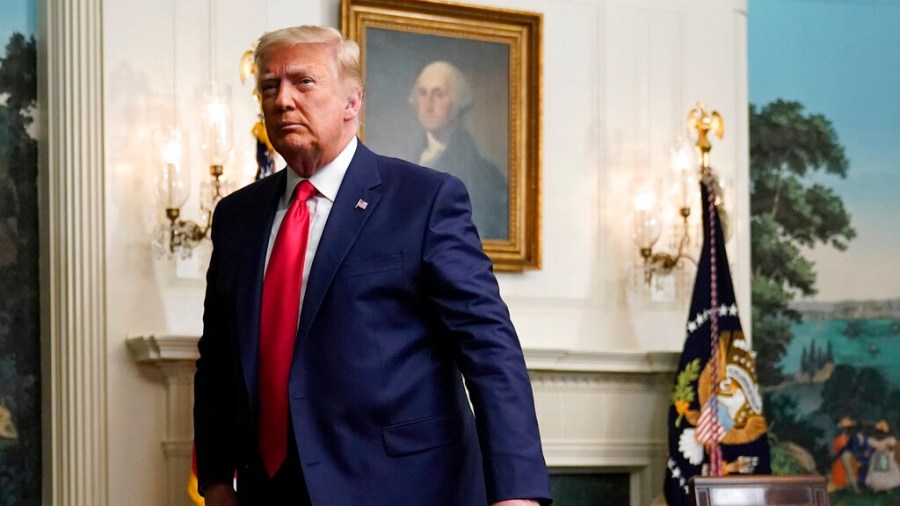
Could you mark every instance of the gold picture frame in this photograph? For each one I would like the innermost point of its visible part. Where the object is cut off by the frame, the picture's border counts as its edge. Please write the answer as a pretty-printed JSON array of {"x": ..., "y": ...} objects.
[{"x": 497, "y": 131}]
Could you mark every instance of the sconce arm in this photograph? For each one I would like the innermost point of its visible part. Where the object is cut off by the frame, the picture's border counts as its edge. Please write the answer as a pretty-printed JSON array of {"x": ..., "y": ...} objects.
[
  {"x": 185, "y": 234},
  {"x": 664, "y": 263}
]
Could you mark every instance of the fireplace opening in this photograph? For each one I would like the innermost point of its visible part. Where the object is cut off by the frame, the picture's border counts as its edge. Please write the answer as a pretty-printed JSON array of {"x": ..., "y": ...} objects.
[{"x": 589, "y": 487}]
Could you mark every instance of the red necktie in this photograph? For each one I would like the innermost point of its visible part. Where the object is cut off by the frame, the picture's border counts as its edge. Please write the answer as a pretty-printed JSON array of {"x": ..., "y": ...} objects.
[{"x": 278, "y": 327}]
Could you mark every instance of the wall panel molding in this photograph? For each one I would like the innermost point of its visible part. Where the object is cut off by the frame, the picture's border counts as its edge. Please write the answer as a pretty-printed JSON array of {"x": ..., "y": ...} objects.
[{"x": 73, "y": 280}]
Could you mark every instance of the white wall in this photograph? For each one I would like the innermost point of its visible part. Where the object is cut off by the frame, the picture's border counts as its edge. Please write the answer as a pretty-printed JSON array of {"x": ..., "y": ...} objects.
[{"x": 619, "y": 77}]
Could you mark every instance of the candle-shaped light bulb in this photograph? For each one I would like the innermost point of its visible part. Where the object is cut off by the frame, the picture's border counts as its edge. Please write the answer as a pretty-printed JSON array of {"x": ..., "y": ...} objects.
[
  {"x": 217, "y": 142},
  {"x": 171, "y": 151},
  {"x": 685, "y": 162},
  {"x": 174, "y": 183},
  {"x": 646, "y": 226}
]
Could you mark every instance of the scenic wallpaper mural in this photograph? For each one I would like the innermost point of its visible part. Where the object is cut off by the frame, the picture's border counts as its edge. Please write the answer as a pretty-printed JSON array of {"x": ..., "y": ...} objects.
[
  {"x": 20, "y": 389},
  {"x": 825, "y": 169}
]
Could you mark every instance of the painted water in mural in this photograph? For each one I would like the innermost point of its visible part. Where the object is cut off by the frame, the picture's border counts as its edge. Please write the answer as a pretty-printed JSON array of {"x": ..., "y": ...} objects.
[
  {"x": 20, "y": 389},
  {"x": 825, "y": 166},
  {"x": 837, "y": 411}
]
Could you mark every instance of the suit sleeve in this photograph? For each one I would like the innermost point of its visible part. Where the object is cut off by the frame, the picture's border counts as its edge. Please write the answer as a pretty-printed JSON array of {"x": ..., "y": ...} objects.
[
  {"x": 214, "y": 422},
  {"x": 460, "y": 281}
]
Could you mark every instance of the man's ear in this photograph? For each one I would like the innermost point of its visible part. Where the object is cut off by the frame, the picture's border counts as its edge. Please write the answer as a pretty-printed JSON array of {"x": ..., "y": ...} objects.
[{"x": 354, "y": 104}]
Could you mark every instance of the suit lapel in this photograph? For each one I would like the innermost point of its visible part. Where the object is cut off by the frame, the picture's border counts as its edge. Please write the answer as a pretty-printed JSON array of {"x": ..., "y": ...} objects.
[
  {"x": 344, "y": 224},
  {"x": 259, "y": 219}
]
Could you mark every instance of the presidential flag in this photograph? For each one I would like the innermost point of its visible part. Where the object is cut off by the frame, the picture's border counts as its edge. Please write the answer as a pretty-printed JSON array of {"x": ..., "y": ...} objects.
[
  {"x": 716, "y": 423},
  {"x": 192, "y": 486}
]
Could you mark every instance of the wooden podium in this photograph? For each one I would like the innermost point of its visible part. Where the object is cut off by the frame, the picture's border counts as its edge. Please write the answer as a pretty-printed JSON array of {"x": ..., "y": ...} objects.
[{"x": 805, "y": 490}]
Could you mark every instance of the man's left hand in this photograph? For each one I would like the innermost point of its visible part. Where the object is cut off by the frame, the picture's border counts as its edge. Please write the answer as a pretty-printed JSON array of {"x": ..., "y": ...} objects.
[{"x": 516, "y": 502}]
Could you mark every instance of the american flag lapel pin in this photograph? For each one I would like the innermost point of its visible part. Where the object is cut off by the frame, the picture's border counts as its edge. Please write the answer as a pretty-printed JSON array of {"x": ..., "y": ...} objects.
[{"x": 361, "y": 204}]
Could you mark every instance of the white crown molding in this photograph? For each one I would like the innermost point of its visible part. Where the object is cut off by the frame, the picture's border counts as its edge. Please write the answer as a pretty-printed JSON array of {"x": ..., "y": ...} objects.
[{"x": 73, "y": 274}]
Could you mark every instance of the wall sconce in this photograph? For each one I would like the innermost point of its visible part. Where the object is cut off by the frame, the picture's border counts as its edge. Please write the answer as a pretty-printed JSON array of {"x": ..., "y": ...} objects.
[
  {"x": 690, "y": 162},
  {"x": 650, "y": 215},
  {"x": 179, "y": 237}
]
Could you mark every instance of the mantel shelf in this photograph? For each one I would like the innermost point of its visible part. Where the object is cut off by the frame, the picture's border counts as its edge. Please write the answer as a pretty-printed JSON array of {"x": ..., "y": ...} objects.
[
  {"x": 636, "y": 362},
  {"x": 159, "y": 349}
]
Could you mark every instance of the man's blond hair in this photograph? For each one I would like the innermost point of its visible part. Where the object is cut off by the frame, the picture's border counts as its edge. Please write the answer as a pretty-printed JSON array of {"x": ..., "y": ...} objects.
[{"x": 347, "y": 50}]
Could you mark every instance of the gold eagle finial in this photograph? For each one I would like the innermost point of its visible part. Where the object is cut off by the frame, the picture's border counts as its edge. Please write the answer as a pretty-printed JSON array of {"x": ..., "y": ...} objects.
[{"x": 703, "y": 122}]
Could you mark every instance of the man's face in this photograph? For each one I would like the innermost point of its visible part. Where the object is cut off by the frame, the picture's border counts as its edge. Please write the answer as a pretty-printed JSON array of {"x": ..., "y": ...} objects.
[
  {"x": 434, "y": 101},
  {"x": 304, "y": 103}
]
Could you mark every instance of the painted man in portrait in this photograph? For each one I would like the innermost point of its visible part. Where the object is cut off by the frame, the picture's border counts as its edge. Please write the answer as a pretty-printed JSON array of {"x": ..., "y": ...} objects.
[{"x": 441, "y": 96}]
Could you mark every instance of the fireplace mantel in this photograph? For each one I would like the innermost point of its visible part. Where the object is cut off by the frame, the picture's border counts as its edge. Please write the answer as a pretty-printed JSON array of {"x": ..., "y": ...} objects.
[{"x": 598, "y": 411}]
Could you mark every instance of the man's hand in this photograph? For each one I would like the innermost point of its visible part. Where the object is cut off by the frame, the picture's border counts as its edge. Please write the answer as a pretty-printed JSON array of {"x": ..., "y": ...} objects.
[
  {"x": 220, "y": 494},
  {"x": 516, "y": 502}
]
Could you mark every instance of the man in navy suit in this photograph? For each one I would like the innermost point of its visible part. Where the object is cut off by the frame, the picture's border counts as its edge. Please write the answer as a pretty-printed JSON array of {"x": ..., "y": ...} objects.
[{"x": 398, "y": 305}]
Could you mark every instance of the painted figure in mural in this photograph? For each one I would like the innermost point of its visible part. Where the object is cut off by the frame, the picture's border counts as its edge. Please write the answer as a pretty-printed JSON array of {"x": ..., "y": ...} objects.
[
  {"x": 862, "y": 452},
  {"x": 844, "y": 466},
  {"x": 441, "y": 96},
  {"x": 883, "y": 472},
  {"x": 8, "y": 432},
  {"x": 349, "y": 311}
]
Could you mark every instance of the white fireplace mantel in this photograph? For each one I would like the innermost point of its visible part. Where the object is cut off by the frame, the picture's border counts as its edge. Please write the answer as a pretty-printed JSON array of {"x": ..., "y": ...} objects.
[
  {"x": 598, "y": 411},
  {"x": 605, "y": 412},
  {"x": 175, "y": 357}
]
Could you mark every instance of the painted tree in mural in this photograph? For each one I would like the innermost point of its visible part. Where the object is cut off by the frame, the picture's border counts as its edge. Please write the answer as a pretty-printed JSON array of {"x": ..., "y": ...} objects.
[
  {"x": 789, "y": 211},
  {"x": 862, "y": 391},
  {"x": 20, "y": 437}
]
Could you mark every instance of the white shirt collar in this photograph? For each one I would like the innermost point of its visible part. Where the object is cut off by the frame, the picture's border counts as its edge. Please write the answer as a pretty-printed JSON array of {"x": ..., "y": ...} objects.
[
  {"x": 433, "y": 143},
  {"x": 327, "y": 180}
]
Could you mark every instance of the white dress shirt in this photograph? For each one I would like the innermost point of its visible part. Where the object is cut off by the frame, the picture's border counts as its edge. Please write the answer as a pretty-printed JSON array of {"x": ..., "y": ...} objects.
[{"x": 327, "y": 181}]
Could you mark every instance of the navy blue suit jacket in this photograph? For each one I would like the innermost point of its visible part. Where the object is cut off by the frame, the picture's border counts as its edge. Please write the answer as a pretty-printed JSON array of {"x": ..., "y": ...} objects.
[{"x": 400, "y": 300}]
